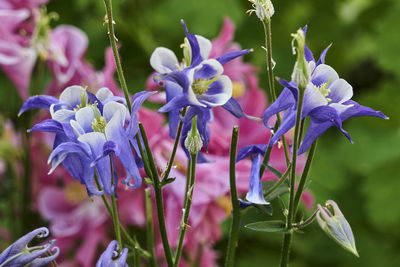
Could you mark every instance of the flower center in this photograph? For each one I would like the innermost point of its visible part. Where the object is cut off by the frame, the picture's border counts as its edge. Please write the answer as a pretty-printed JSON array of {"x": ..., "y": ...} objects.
[
  {"x": 200, "y": 86},
  {"x": 323, "y": 89},
  {"x": 99, "y": 124},
  {"x": 84, "y": 102}
]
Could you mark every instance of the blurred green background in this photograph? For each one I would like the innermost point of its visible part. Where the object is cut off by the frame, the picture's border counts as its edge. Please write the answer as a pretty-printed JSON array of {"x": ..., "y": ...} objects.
[{"x": 362, "y": 178}]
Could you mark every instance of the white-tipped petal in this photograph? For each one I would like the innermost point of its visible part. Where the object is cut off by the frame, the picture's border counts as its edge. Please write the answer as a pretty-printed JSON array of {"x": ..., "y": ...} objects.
[
  {"x": 72, "y": 95},
  {"x": 164, "y": 60},
  {"x": 205, "y": 46},
  {"x": 341, "y": 91}
]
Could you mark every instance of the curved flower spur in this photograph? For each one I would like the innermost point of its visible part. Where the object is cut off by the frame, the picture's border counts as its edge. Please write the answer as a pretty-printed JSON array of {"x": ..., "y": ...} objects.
[
  {"x": 89, "y": 128},
  {"x": 112, "y": 258},
  {"x": 19, "y": 254}
]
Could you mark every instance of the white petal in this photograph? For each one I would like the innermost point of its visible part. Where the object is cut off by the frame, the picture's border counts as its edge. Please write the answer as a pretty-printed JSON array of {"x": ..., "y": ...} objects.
[
  {"x": 95, "y": 140},
  {"x": 323, "y": 73},
  {"x": 72, "y": 95},
  {"x": 62, "y": 115},
  {"x": 191, "y": 95},
  {"x": 214, "y": 64},
  {"x": 78, "y": 130},
  {"x": 163, "y": 60},
  {"x": 341, "y": 91},
  {"x": 104, "y": 93},
  {"x": 312, "y": 98},
  {"x": 221, "y": 98},
  {"x": 85, "y": 117},
  {"x": 205, "y": 46},
  {"x": 112, "y": 108}
]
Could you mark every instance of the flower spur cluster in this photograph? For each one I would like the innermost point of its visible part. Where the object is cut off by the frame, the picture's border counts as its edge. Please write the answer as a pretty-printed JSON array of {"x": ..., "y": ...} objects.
[
  {"x": 327, "y": 100},
  {"x": 19, "y": 254},
  {"x": 89, "y": 130},
  {"x": 196, "y": 83}
]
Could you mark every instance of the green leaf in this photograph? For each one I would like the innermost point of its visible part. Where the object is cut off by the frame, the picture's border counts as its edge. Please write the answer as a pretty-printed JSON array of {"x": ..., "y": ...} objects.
[
  {"x": 265, "y": 208},
  {"x": 268, "y": 226},
  {"x": 281, "y": 190}
]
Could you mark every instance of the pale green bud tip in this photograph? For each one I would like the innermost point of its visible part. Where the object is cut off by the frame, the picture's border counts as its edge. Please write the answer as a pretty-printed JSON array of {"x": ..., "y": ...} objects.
[
  {"x": 336, "y": 226},
  {"x": 262, "y": 8},
  {"x": 193, "y": 141},
  {"x": 301, "y": 72}
]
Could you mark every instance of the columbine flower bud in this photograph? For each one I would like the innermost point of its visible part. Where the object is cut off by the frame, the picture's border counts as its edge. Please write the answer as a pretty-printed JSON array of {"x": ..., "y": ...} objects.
[
  {"x": 263, "y": 9},
  {"x": 336, "y": 226},
  {"x": 301, "y": 72},
  {"x": 193, "y": 141}
]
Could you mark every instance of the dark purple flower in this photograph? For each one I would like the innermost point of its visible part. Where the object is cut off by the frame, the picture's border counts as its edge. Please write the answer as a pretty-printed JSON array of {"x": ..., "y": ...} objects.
[{"x": 19, "y": 254}]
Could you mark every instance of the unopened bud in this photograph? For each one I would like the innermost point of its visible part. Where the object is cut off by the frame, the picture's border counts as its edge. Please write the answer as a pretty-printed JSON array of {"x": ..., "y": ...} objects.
[
  {"x": 301, "y": 72},
  {"x": 263, "y": 9},
  {"x": 336, "y": 226},
  {"x": 193, "y": 141}
]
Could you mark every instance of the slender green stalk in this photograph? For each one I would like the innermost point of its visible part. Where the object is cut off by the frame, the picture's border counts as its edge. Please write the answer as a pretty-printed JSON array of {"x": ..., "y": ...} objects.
[
  {"x": 113, "y": 42},
  {"x": 143, "y": 155},
  {"x": 150, "y": 232},
  {"x": 176, "y": 143},
  {"x": 306, "y": 222},
  {"x": 124, "y": 232},
  {"x": 235, "y": 223},
  {"x": 272, "y": 92},
  {"x": 116, "y": 222},
  {"x": 158, "y": 195},
  {"x": 279, "y": 182},
  {"x": 186, "y": 209},
  {"x": 304, "y": 176},
  {"x": 136, "y": 256},
  {"x": 288, "y": 236}
]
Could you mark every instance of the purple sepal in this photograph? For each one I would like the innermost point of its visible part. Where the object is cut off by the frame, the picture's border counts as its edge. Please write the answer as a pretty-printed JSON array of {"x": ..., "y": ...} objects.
[
  {"x": 111, "y": 256},
  {"x": 246, "y": 151},
  {"x": 284, "y": 101},
  {"x": 194, "y": 45},
  {"x": 225, "y": 58},
  {"x": 137, "y": 101},
  {"x": 39, "y": 101},
  {"x": 255, "y": 193},
  {"x": 37, "y": 257},
  {"x": 359, "y": 110},
  {"x": 93, "y": 99}
]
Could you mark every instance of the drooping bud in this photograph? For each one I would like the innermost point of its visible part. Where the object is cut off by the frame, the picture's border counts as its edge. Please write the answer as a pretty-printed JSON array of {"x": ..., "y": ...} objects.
[
  {"x": 263, "y": 9},
  {"x": 301, "y": 72},
  {"x": 193, "y": 141},
  {"x": 336, "y": 226}
]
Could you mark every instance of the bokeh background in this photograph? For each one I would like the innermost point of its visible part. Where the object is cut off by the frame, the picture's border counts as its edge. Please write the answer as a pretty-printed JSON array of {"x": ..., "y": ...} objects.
[{"x": 362, "y": 178}]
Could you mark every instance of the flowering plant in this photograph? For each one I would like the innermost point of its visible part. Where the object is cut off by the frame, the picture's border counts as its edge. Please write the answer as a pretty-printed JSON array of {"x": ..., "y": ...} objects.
[{"x": 221, "y": 152}]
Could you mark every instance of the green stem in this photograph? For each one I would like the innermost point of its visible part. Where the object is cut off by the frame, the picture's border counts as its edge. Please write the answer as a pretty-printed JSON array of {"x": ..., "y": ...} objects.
[
  {"x": 116, "y": 222},
  {"x": 288, "y": 236},
  {"x": 124, "y": 232},
  {"x": 158, "y": 195},
  {"x": 136, "y": 256},
  {"x": 278, "y": 183},
  {"x": 150, "y": 232},
  {"x": 235, "y": 224},
  {"x": 113, "y": 42},
  {"x": 304, "y": 176},
  {"x": 272, "y": 92},
  {"x": 186, "y": 210},
  {"x": 176, "y": 143}
]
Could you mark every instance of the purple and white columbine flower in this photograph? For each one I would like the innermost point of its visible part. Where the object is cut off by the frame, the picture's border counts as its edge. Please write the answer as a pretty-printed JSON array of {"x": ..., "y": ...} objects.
[
  {"x": 111, "y": 257},
  {"x": 89, "y": 128},
  {"x": 19, "y": 254},
  {"x": 327, "y": 101},
  {"x": 197, "y": 82}
]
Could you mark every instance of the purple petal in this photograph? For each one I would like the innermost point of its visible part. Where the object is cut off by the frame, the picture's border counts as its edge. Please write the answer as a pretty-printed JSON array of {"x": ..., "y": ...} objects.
[
  {"x": 284, "y": 101},
  {"x": 255, "y": 194},
  {"x": 39, "y": 101},
  {"x": 358, "y": 110},
  {"x": 321, "y": 59},
  {"x": 251, "y": 150},
  {"x": 288, "y": 122},
  {"x": 225, "y": 58},
  {"x": 194, "y": 45}
]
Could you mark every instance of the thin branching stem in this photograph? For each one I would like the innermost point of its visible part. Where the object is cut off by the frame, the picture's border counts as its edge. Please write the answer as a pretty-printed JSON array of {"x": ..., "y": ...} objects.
[{"x": 235, "y": 223}]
